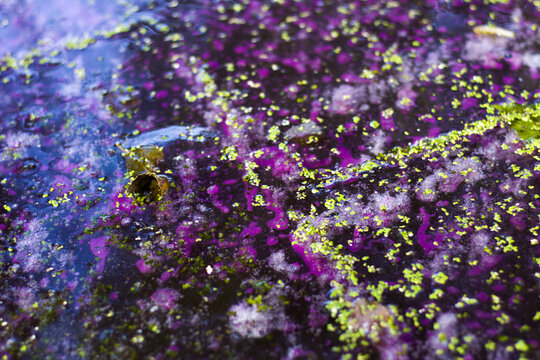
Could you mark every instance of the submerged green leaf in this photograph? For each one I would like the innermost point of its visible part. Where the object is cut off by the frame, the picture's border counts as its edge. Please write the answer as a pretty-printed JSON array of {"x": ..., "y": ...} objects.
[
  {"x": 142, "y": 164},
  {"x": 144, "y": 158}
]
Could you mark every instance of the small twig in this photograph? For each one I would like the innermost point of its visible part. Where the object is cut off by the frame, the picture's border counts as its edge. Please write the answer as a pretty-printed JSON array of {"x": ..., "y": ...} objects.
[{"x": 121, "y": 148}]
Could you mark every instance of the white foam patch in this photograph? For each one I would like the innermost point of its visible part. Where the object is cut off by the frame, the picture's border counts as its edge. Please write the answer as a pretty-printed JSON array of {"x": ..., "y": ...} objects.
[
  {"x": 345, "y": 99},
  {"x": 83, "y": 152},
  {"x": 377, "y": 91},
  {"x": 278, "y": 263},
  {"x": 25, "y": 298},
  {"x": 18, "y": 142},
  {"x": 29, "y": 247},
  {"x": 252, "y": 322},
  {"x": 472, "y": 167},
  {"x": 447, "y": 329},
  {"x": 379, "y": 142},
  {"x": 249, "y": 321},
  {"x": 21, "y": 139},
  {"x": 484, "y": 49},
  {"x": 492, "y": 151},
  {"x": 390, "y": 203},
  {"x": 388, "y": 207},
  {"x": 460, "y": 170},
  {"x": 478, "y": 242},
  {"x": 517, "y": 187},
  {"x": 532, "y": 61},
  {"x": 427, "y": 191}
]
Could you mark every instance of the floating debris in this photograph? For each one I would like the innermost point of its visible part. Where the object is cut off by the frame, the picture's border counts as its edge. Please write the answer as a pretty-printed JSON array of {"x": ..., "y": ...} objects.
[{"x": 493, "y": 31}]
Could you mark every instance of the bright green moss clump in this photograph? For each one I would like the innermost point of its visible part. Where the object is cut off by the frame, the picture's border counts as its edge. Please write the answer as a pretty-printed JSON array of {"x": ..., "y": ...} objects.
[{"x": 524, "y": 119}]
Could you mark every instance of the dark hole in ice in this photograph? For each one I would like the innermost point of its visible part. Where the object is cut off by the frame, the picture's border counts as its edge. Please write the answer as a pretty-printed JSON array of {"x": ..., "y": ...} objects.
[
  {"x": 30, "y": 121},
  {"x": 28, "y": 166},
  {"x": 144, "y": 184}
]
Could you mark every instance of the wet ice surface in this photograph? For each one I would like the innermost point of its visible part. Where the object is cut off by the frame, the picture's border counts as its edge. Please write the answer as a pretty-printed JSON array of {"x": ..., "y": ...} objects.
[
  {"x": 343, "y": 178},
  {"x": 27, "y": 24}
]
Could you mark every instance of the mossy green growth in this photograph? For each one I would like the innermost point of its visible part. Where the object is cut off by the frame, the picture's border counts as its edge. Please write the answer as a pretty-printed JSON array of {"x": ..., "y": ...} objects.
[
  {"x": 80, "y": 44},
  {"x": 524, "y": 119}
]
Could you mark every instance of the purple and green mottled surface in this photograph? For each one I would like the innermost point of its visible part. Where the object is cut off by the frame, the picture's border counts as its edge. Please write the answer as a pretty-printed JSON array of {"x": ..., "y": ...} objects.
[{"x": 269, "y": 179}]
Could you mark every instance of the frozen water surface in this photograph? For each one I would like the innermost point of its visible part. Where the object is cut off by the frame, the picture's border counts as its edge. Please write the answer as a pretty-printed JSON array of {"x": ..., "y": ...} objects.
[{"x": 269, "y": 179}]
